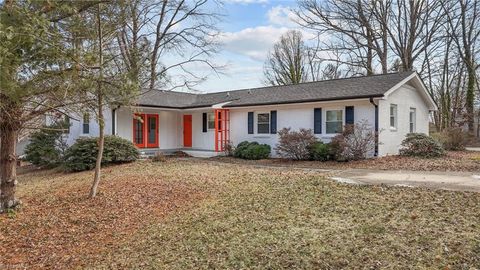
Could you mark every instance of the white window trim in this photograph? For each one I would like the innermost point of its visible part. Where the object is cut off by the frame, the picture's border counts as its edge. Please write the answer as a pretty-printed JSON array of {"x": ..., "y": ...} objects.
[
  {"x": 256, "y": 124},
  {"x": 414, "y": 110},
  {"x": 395, "y": 127},
  {"x": 324, "y": 130},
  {"x": 208, "y": 114}
]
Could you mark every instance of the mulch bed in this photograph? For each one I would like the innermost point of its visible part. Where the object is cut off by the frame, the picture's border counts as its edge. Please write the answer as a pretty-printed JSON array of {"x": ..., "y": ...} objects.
[
  {"x": 59, "y": 227},
  {"x": 453, "y": 161}
]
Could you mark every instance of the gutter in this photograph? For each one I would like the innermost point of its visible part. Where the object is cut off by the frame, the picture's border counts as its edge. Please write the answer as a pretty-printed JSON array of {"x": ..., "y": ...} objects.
[
  {"x": 304, "y": 101},
  {"x": 376, "y": 126}
]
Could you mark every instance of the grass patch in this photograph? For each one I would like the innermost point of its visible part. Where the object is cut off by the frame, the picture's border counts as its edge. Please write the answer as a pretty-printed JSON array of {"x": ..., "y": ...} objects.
[{"x": 190, "y": 214}]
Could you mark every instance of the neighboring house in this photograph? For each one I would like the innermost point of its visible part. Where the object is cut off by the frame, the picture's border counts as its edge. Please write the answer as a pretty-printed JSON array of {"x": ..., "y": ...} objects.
[{"x": 394, "y": 104}]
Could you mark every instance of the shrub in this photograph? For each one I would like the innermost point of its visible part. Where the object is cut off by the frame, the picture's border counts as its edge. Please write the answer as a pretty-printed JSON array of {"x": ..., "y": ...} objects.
[
  {"x": 295, "y": 144},
  {"x": 355, "y": 142},
  {"x": 252, "y": 150},
  {"x": 229, "y": 149},
  {"x": 159, "y": 157},
  {"x": 320, "y": 151},
  {"x": 47, "y": 146},
  {"x": 453, "y": 139},
  {"x": 82, "y": 154},
  {"x": 421, "y": 145}
]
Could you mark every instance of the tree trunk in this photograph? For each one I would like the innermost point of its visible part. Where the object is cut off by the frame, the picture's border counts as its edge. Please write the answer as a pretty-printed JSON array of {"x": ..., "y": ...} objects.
[
  {"x": 8, "y": 167},
  {"x": 470, "y": 99},
  {"x": 101, "y": 122},
  {"x": 101, "y": 142}
]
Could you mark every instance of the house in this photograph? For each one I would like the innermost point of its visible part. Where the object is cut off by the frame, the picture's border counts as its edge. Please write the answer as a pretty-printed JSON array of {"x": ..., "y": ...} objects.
[{"x": 202, "y": 124}]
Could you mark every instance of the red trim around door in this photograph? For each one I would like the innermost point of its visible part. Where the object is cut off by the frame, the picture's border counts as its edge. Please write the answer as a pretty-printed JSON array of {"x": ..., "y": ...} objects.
[
  {"x": 145, "y": 126},
  {"x": 187, "y": 130}
]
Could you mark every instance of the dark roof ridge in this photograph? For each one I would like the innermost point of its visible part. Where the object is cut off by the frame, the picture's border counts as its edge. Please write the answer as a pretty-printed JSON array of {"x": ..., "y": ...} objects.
[{"x": 303, "y": 83}]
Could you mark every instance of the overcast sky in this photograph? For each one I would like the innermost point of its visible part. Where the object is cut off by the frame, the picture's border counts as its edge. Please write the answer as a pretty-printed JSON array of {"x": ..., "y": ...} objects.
[{"x": 250, "y": 28}]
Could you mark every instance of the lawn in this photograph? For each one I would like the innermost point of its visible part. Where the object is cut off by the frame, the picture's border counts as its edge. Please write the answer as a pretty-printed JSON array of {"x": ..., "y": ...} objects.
[
  {"x": 460, "y": 161},
  {"x": 190, "y": 214}
]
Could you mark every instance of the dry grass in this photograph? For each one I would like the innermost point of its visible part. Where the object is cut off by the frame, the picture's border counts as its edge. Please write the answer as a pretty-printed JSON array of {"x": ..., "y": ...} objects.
[
  {"x": 190, "y": 214},
  {"x": 453, "y": 161}
]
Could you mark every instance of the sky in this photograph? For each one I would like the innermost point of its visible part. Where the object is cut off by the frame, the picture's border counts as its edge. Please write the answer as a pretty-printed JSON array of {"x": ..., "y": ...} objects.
[{"x": 249, "y": 30}]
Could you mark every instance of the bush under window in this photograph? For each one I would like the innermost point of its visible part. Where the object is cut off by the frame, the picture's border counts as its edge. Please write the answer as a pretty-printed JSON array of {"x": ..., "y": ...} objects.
[
  {"x": 421, "y": 145},
  {"x": 356, "y": 142},
  {"x": 320, "y": 151},
  {"x": 82, "y": 155},
  {"x": 252, "y": 150},
  {"x": 295, "y": 144}
]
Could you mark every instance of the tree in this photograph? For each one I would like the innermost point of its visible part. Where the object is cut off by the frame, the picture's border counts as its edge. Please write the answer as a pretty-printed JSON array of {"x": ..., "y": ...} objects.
[
  {"x": 153, "y": 31},
  {"x": 35, "y": 76},
  {"x": 126, "y": 54},
  {"x": 351, "y": 30},
  {"x": 287, "y": 63},
  {"x": 464, "y": 19}
]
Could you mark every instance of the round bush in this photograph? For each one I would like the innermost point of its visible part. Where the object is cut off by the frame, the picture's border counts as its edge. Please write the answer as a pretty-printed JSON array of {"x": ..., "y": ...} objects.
[
  {"x": 252, "y": 150},
  {"x": 421, "y": 145},
  {"x": 320, "y": 151},
  {"x": 82, "y": 155}
]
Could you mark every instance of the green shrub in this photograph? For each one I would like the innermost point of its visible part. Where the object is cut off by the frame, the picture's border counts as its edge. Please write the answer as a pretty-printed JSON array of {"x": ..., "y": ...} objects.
[
  {"x": 320, "y": 151},
  {"x": 252, "y": 150},
  {"x": 421, "y": 145},
  {"x": 453, "y": 139},
  {"x": 46, "y": 147},
  {"x": 82, "y": 155}
]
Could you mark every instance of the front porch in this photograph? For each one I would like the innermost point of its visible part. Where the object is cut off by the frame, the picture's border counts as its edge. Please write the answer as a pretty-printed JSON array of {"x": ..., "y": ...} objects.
[{"x": 203, "y": 132}]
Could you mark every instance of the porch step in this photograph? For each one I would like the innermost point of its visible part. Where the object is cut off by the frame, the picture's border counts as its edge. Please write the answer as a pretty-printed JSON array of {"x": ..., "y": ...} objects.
[
  {"x": 202, "y": 153},
  {"x": 148, "y": 153}
]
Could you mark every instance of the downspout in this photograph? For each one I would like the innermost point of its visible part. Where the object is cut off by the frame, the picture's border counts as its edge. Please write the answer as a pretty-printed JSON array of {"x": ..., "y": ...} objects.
[{"x": 376, "y": 126}]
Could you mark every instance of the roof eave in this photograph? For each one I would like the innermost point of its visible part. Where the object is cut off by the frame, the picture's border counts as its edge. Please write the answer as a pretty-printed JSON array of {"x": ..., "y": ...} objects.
[{"x": 304, "y": 101}]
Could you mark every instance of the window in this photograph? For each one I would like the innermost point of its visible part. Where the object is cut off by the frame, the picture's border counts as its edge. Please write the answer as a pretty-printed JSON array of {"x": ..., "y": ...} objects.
[
  {"x": 263, "y": 123},
  {"x": 67, "y": 124},
  {"x": 86, "y": 123},
  {"x": 413, "y": 120},
  {"x": 211, "y": 120},
  {"x": 334, "y": 123},
  {"x": 393, "y": 116}
]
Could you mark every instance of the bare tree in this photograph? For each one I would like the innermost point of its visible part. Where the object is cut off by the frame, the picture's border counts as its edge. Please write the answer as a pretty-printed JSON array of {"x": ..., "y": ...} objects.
[
  {"x": 153, "y": 32},
  {"x": 350, "y": 27},
  {"x": 464, "y": 19},
  {"x": 287, "y": 63}
]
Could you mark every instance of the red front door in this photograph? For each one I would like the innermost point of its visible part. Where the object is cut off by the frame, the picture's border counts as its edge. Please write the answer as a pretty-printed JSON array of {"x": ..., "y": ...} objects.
[
  {"x": 187, "y": 130},
  {"x": 145, "y": 130}
]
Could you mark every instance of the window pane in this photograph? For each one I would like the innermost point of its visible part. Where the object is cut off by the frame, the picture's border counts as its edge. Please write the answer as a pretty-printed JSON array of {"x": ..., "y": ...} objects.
[
  {"x": 138, "y": 132},
  {"x": 334, "y": 116},
  {"x": 393, "y": 115},
  {"x": 152, "y": 127},
  {"x": 334, "y": 127},
  {"x": 263, "y": 118},
  {"x": 211, "y": 121},
  {"x": 263, "y": 128},
  {"x": 86, "y": 128}
]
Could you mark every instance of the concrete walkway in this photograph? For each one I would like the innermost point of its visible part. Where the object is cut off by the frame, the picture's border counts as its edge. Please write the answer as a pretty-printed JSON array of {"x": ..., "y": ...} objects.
[{"x": 458, "y": 181}]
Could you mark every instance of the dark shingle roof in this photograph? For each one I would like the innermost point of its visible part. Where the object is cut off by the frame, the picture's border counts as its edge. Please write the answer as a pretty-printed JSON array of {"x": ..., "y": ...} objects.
[{"x": 338, "y": 89}]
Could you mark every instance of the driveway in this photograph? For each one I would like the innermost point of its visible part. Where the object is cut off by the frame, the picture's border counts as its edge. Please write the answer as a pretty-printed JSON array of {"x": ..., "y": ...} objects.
[{"x": 457, "y": 181}]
